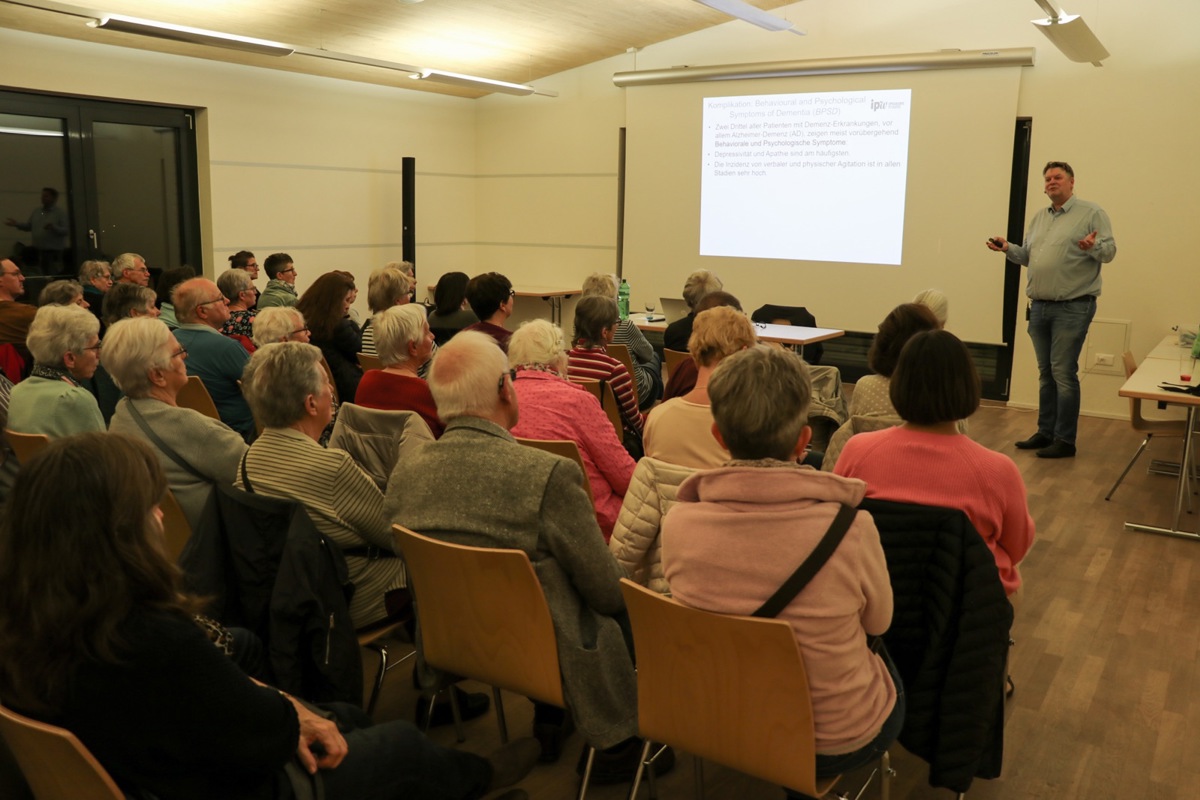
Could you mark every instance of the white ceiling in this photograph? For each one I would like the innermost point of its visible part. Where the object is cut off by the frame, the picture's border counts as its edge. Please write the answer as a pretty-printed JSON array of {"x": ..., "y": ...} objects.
[{"x": 512, "y": 40}]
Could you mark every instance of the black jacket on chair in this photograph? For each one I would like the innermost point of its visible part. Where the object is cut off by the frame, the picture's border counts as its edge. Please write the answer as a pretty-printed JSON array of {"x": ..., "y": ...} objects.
[
  {"x": 796, "y": 315},
  {"x": 270, "y": 570},
  {"x": 949, "y": 639}
]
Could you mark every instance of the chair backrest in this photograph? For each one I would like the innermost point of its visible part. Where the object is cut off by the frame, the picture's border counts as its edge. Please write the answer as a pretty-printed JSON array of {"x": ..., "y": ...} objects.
[
  {"x": 25, "y": 445},
  {"x": 483, "y": 615},
  {"x": 195, "y": 396},
  {"x": 621, "y": 353},
  {"x": 176, "y": 529},
  {"x": 603, "y": 392},
  {"x": 56, "y": 765},
  {"x": 672, "y": 359},
  {"x": 368, "y": 361},
  {"x": 726, "y": 688},
  {"x": 565, "y": 448}
]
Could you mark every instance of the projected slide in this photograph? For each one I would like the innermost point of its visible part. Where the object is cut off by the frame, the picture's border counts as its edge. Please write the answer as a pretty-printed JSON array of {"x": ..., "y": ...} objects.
[{"x": 806, "y": 177}]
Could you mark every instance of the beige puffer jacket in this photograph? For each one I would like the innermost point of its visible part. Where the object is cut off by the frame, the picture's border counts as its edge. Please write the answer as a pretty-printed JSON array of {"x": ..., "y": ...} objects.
[{"x": 635, "y": 541}]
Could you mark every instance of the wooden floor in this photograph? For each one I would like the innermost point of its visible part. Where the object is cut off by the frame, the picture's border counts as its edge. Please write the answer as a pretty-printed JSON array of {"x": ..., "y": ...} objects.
[{"x": 1107, "y": 702}]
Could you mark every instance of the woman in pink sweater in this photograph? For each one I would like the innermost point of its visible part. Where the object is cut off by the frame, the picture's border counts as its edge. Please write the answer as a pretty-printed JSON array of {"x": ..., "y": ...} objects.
[
  {"x": 928, "y": 462},
  {"x": 737, "y": 533}
]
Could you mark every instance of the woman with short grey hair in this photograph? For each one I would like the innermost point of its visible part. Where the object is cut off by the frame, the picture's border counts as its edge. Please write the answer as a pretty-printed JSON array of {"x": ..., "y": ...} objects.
[
  {"x": 700, "y": 283},
  {"x": 129, "y": 300},
  {"x": 238, "y": 289},
  {"x": 292, "y": 400},
  {"x": 65, "y": 343},
  {"x": 386, "y": 287},
  {"x": 647, "y": 367},
  {"x": 196, "y": 452},
  {"x": 279, "y": 324},
  {"x": 63, "y": 293},
  {"x": 96, "y": 277},
  {"x": 554, "y": 408},
  {"x": 405, "y": 346}
]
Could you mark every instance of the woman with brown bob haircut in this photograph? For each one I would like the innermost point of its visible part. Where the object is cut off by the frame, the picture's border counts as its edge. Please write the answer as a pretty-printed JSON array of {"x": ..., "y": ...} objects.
[{"x": 325, "y": 306}]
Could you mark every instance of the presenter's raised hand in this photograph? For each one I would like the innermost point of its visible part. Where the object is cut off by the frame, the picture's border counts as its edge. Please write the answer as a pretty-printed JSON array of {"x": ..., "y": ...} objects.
[
  {"x": 1087, "y": 242},
  {"x": 998, "y": 244}
]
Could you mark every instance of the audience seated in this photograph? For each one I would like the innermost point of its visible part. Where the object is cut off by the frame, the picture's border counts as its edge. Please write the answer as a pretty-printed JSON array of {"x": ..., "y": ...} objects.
[
  {"x": 195, "y": 451},
  {"x": 128, "y": 668},
  {"x": 404, "y": 344},
  {"x": 386, "y": 287},
  {"x": 595, "y": 324},
  {"x": 679, "y": 431},
  {"x": 738, "y": 533},
  {"x": 937, "y": 302},
  {"x": 683, "y": 377},
  {"x": 63, "y": 293},
  {"x": 65, "y": 343},
  {"x": 292, "y": 399},
  {"x": 15, "y": 317},
  {"x": 636, "y": 543},
  {"x": 126, "y": 300},
  {"x": 281, "y": 282},
  {"x": 244, "y": 259},
  {"x": 870, "y": 397},
  {"x": 96, "y": 277},
  {"x": 476, "y": 486},
  {"x": 280, "y": 324},
  {"x": 164, "y": 288},
  {"x": 217, "y": 360},
  {"x": 928, "y": 461},
  {"x": 647, "y": 367},
  {"x": 490, "y": 296},
  {"x": 697, "y": 285},
  {"x": 554, "y": 408},
  {"x": 325, "y": 305},
  {"x": 131, "y": 268},
  {"x": 240, "y": 297},
  {"x": 450, "y": 313}
]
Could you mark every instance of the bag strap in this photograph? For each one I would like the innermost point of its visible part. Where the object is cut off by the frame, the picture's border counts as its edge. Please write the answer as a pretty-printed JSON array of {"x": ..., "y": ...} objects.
[
  {"x": 160, "y": 444},
  {"x": 811, "y": 566},
  {"x": 245, "y": 477}
]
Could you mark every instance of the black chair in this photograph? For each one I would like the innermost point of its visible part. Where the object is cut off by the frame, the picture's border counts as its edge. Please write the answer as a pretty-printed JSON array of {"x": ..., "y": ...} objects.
[{"x": 791, "y": 315}]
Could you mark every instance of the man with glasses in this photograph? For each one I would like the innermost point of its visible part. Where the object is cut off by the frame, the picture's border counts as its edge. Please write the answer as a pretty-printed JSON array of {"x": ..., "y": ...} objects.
[
  {"x": 15, "y": 319},
  {"x": 216, "y": 359},
  {"x": 131, "y": 268},
  {"x": 281, "y": 286},
  {"x": 476, "y": 486}
]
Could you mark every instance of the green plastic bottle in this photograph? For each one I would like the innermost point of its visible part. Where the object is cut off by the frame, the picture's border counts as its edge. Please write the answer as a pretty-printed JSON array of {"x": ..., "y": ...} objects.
[{"x": 623, "y": 299}]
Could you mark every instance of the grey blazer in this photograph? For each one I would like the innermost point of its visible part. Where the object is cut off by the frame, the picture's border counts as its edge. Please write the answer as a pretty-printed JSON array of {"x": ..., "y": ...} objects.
[{"x": 476, "y": 486}]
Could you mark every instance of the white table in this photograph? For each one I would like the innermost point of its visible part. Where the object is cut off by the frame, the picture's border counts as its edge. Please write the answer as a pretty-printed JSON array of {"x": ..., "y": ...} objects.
[
  {"x": 767, "y": 332},
  {"x": 1144, "y": 384}
]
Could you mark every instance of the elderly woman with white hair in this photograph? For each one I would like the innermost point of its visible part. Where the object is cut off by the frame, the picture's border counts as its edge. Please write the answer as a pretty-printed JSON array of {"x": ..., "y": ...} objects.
[
  {"x": 96, "y": 277},
  {"x": 699, "y": 284},
  {"x": 292, "y": 399},
  {"x": 404, "y": 344},
  {"x": 238, "y": 288},
  {"x": 554, "y": 408},
  {"x": 280, "y": 324},
  {"x": 63, "y": 293},
  {"x": 65, "y": 343},
  {"x": 647, "y": 368},
  {"x": 386, "y": 287},
  {"x": 196, "y": 452}
]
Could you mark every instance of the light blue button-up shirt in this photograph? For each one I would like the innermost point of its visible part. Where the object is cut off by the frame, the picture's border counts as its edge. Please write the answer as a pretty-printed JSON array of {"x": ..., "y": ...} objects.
[{"x": 1058, "y": 268}]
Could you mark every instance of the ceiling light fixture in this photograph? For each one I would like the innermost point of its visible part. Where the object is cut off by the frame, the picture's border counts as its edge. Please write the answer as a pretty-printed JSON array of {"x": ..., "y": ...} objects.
[
  {"x": 1071, "y": 35},
  {"x": 473, "y": 82},
  {"x": 748, "y": 13},
  {"x": 183, "y": 33}
]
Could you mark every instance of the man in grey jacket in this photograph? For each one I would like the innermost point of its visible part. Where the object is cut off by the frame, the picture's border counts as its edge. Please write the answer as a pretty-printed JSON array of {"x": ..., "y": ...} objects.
[{"x": 476, "y": 486}]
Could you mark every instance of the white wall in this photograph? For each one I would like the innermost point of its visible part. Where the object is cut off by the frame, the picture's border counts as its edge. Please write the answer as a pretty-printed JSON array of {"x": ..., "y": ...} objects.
[{"x": 1128, "y": 128}]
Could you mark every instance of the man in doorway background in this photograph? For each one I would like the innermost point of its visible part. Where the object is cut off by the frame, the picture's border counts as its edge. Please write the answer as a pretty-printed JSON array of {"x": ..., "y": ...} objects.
[
  {"x": 48, "y": 226},
  {"x": 1064, "y": 248}
]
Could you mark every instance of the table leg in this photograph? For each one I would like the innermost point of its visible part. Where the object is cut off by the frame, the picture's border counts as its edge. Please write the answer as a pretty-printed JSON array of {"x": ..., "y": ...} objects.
[{"x": 1183, "y": 486}]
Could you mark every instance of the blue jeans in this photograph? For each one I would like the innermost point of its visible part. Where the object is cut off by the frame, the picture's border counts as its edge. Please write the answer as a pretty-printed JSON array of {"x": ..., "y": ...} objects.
[{"x": 1058, "y": 330}]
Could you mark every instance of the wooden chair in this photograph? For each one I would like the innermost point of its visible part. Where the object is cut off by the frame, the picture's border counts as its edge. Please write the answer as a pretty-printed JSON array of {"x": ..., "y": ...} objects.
[
  {"x": 565, "y": 448},
  {"x": 375, "y": 638},
  {"x": 725, "y": 688},
  {"x": 671, "y": 360},
  {"x": 195, "y": 396},
  {"x": 1150, "y": 427},
  {"x": 176, "y": 529},
  {"x": 621, "y": 353},
  {"x": 55, "y": 763},
  {"x": 368, "y": 361},
  {"x": 25, "y": 445},
  {"x": 483, "y": 615},
  {"x": 608, "y": 401}
]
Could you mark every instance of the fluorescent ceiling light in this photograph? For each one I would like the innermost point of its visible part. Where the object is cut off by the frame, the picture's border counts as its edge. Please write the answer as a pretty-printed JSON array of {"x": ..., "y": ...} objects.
[
  {"x": 183, "y": 33},
  {"x": 30, "y": 132},
  {"x": 1071, "y": 35},
  {"x": 472, "y": 82},
  {"x": 748, "y": 13}
]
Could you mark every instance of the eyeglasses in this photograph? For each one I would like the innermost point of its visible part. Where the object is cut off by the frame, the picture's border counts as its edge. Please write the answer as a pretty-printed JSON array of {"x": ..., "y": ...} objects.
[
  {"x": 17, "y": 272},
  {"x": 510, "y": 374},
  {"x": 220, "y": 299},
  {"x": 289, "y": 269},
  {"x": 305, "y": 329},
  {"x": 181, "y": 353},
  {"x": 512, "y": 292},
  {"x": 95, "y": 347}
]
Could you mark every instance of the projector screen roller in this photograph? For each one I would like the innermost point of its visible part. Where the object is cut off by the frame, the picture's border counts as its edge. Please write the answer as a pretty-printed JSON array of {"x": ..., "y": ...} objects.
[
  {"x": 778, "y": 172},
  {"x": 848, "y": 242}
]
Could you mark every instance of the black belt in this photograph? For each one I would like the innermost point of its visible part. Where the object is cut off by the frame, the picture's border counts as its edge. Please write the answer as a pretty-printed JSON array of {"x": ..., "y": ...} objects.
[
  {"x": 1071, "y": 300},
  {"x": 370, "y": 552}
]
